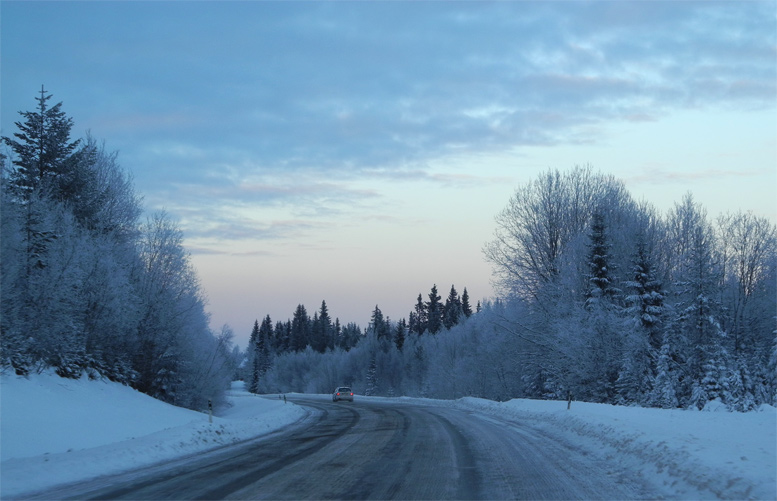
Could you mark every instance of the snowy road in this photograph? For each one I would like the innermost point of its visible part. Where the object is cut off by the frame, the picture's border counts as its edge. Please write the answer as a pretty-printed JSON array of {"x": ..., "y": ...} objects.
[{"x": 379, "y": 450}]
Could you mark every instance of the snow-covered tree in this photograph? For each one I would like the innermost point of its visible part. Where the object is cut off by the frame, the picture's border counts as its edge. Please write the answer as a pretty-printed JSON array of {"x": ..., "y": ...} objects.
[
  {"x": 538, "y": 223},
  {"x": 43, "y": 149}
]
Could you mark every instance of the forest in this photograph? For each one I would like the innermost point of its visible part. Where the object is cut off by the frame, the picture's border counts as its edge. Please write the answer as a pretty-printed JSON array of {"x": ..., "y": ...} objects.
[
  {"x": 87, "y": 286},
  {"x": 600, "y": 298}
]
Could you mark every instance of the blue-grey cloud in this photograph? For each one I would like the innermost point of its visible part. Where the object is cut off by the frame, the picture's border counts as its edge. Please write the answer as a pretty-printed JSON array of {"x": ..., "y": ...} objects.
[{"x": 213, "y": 94}]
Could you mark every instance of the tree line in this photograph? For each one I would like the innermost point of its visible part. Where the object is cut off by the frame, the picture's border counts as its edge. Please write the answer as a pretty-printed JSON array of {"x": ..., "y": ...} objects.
[
  {"x": 601, "y": 299},
  {"x": 89, "y": 288},
  {"x": 319, "y": 334}
]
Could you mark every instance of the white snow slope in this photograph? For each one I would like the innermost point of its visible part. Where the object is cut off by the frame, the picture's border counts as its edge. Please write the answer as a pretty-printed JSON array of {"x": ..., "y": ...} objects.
[{"x": 55, "y": 431}]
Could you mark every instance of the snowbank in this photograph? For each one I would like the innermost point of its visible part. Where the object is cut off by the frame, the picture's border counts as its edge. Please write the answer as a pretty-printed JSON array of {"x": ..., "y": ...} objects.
[
  {"x": 684, "y": 454},
  {"x": 55, "y": 431}
]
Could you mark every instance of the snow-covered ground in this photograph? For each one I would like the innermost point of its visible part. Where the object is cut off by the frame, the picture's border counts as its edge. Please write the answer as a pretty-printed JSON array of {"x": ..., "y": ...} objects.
[
  {"x": 713, "y": 454},
  {"x": 55, "y": 431}
]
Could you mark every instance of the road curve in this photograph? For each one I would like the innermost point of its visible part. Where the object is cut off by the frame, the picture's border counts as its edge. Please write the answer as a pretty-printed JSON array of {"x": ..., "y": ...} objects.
[{"x": 378, "y": 450}]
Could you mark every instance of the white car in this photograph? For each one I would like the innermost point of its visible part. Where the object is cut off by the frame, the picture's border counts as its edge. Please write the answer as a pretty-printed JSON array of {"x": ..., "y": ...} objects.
[{"x": 342, "y": 393}]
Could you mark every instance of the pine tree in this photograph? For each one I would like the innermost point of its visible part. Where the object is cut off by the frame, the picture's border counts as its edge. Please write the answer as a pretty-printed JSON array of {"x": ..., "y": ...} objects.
[
  {"x": 695, "y": 276},
  {"x": 280, "y": 337},
  {"x": 325, "y": 329},
  {"x": 603, "y": 337},
  {"x": 664, "y": 395},
  {"x": 452, "y": 310},
  {"x": 419, "y": 322},
  {"x": 351, "y": 336},
  {"x": 379, "y": 325},
  {"x": 262, "y": 354},
  {"x": 43, "y": 147},
  {"x": 399, "y": 334},
  {"x": 317, "y": 337},
  {"x": 334, "y": 340},
  {"x": 647, "y": 301},
  {"x": 299, "y": 336},
  {"x": 252, "y": 362},
  {"x": 600, "y": 282},
  {"x": 434, "y": 311},
  {"x": 465, "y": 306},
  {"x": 643, "y": 342}
]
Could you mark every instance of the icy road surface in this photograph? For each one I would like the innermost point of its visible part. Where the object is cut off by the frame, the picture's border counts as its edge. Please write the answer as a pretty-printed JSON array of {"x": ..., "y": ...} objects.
[{"x": 377, "y": 449}]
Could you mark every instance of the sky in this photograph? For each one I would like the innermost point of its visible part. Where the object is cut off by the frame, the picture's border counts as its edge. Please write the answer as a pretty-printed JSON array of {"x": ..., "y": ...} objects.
[{"x": 357, "y": 152}]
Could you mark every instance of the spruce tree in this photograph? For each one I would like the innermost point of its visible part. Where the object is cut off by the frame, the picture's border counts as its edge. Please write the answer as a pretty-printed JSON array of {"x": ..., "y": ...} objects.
[
  {"x": 252, "y": 378},
  {"x": 647, "y": 299},
  {"x": 263, "y": 349},
  {"x": 300, "y": 330},
  {"x": 42, "y": 147},
  {"x": 452, "y": 310},
  {"x": 604, "y": 339},
  {"x": 465, "y": 306},
  {"x": 600, "y": 282},
  {"x": 317, "y": 339},
  {"x": 280, "y": 338},
  {"x": 379, "y": 325},
  {"x": 399, "y": 334},
  {"x": 337, "y": 331},
  {"x": 434, "y": 311},
  {"x": 420, "y": 317},
  {"x": 664, "y": 394},
  {"x": 326, "y": 329}
]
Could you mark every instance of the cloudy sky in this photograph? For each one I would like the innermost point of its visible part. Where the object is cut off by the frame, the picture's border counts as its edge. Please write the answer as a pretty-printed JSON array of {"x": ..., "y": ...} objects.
[{"x": 357, "y": 152}]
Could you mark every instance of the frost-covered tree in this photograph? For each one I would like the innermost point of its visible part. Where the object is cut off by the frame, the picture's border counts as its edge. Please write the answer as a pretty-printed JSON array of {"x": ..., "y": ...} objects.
[
  {"x": 600, "y": 283},
  {"x": 540, "y": 220},
  {"x": 695, "y": 275},
  {"x": 43, "y": 148},
  {"x": 646, "y": 299},
  {"x": 749, "y": 244},
  {"x": 663, "y": 393},
  {"x": 88, "y": 290}
]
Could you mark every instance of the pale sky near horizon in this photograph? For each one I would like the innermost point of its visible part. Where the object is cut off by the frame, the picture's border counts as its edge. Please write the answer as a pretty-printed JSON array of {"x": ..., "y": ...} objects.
[{"x": 357, "y": 152}]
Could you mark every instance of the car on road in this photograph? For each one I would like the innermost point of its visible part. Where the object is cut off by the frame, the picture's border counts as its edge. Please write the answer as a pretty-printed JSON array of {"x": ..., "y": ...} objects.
[{"x": 342, "y": 393}]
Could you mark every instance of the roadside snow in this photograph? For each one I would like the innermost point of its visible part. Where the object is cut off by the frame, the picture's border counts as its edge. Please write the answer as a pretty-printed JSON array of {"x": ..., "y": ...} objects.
[
  {"x": 683, "y": 454},
  {"x": 55, "y": 431}
]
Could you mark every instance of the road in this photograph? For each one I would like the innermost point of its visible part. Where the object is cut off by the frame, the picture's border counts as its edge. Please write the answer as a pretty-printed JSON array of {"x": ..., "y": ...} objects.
[{"x": 379, "y": 449}]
